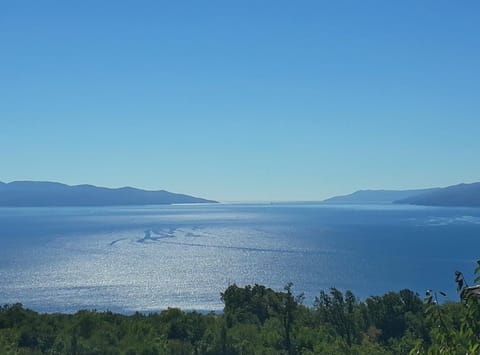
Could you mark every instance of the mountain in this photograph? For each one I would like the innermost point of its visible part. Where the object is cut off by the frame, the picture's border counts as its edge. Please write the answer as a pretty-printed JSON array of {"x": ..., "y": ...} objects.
[
  {"x": 462, "y": 195},
  {"x": 40, "y": 193},
  {"x": 376, "y": 196}
]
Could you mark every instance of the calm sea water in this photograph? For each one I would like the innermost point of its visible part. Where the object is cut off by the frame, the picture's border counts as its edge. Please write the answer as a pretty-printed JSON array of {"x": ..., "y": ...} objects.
[{"x": 149, "y": 258}]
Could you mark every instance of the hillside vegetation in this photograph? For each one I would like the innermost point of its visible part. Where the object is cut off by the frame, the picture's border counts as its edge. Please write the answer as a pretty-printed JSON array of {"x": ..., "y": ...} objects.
[{"x": 259, "y": 320}]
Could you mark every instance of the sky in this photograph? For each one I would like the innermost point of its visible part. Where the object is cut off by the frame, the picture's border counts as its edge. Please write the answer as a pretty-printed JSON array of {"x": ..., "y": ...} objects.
[{"x": 241, "y": 100}]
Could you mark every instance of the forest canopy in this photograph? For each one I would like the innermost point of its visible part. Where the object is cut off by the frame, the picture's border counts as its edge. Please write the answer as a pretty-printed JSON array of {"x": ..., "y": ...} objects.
[{"x": 259, "y": 320}]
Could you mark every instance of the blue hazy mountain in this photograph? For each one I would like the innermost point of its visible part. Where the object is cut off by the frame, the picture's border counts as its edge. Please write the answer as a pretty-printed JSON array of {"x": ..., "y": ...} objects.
[
  {"x": 466, "y": 195},
  {"x": 36, "y": 193},
  {"x": 376, "y": 196}
]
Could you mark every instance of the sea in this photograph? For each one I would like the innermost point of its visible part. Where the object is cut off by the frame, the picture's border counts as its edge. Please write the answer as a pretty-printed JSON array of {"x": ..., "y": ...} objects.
[{"x": 149, "y": 258}]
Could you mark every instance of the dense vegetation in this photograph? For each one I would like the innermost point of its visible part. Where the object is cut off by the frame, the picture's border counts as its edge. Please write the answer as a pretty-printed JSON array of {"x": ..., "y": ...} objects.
[{"x": 259, "y": 320}]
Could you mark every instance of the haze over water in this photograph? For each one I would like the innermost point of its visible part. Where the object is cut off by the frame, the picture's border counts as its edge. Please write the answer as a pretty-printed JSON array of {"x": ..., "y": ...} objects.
[{"x": 152, "y": 257}]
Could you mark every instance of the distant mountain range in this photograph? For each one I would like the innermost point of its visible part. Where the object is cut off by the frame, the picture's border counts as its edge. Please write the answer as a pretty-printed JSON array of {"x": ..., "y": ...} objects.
[
  {"x": 466, "y": 195},
  {"x": 40, "y": 193},
  {"x": 376, "y": 196},
  {"x": 462, "y": 195}
]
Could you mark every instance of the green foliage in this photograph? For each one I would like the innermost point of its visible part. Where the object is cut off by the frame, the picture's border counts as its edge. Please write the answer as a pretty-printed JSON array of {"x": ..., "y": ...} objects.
[
  {"x": 453, "y": 328},
  {"x": 259, "y": 320}
]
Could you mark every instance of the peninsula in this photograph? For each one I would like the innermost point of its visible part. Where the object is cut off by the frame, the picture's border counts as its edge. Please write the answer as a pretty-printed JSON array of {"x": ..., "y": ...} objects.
[{"x": 43, "y": 194}]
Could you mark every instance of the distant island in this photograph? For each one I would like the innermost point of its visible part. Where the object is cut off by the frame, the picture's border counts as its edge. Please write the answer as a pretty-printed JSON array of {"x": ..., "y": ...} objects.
[
  {"x": 461, "y": 195},
  {"x": 51, "y": 194}
]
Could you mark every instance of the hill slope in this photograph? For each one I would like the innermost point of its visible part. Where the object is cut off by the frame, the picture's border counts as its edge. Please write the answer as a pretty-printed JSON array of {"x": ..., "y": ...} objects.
[
  {"x": 36, "y": 193},
  {"x": 466, "y": 195},
  {"x": 375, "y": 196}
]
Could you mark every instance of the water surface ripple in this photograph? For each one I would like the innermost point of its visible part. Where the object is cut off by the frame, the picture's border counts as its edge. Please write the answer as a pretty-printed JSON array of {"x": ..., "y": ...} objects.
[{"x": 148, "y": 258}]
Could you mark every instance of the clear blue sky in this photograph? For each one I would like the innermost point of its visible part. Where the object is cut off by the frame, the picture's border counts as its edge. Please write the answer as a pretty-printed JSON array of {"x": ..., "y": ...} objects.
[{"x": 241, "y": 100}]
